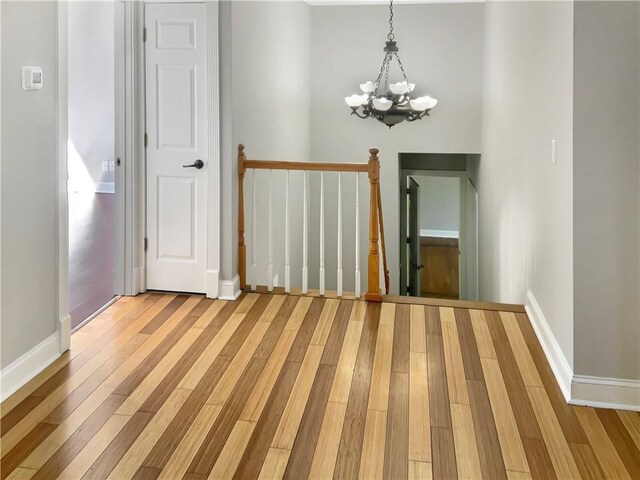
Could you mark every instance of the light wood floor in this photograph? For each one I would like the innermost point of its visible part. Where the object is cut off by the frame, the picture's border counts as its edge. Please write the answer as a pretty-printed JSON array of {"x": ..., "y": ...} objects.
[{"x": 272, "y": 386}]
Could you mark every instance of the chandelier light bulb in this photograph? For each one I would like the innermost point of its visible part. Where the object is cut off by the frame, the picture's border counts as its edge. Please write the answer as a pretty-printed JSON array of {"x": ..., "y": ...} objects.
[
  {"x": 400, "y": 88},
  {"x": 382, "y": 104},
  {"x": 356, "y": 100},
  {"x": 367, "y": 87}
]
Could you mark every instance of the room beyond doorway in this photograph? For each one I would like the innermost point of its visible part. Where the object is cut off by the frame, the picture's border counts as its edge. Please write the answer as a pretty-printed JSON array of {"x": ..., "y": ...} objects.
[
  {"x": 438, "y": 226},
  {"x": 91, "y": 157}
]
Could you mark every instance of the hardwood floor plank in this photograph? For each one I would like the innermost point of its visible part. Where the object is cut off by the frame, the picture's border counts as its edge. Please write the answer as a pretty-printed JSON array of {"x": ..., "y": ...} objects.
[
  {"x": 348, "y": 355},
  {"x": 212, "y": 312},
  {"x": 468, "y": 346},
  {"x": 232, "y": 451},
  {"x": 278, "y": 324},
  {"x": 609, "y": 459},
  {"x": 298, "y": 463},
  {"x": 325, "y": 322},
  {"x": 419, "y": 471},
  {"x": 418, "y": 335},
  {"x": 397, "y": 440},
  {"x": 134, "y": 456},
  {"x": 180, "y": 458},
  {"x": 631, "y": 422},
  {"x": 491, "y": 460},
  {"x": 482, "y": 334},
  {"x": 333, "y": 347},
  {"x": 528, "y": 370},
  {"x": 444, "y": 453},
  {"x": 455, "y": 369},
  {"x": 348, "y": 459},
  {"x": 24, "y": 448},
  {"x": 439, "y": 412},
  {"x": 92, "y": 450},
  {"x": 561, "y": 456},
  {"x": 380, "y": 375},
  {"x": 622, "y": 441},
  {"x": 259, "y": 444},
  {"x": 512, "y": 450},
  {"x": 419, "y": 421},
  {"x": 53, "y": 467},
  {"x": 586, "y": 461},
  {"x": 373, "y": 445},
  {"x": 275, "y": 464},
  {"x": 292, "y": 415},
  {"x": 464, "y": 437},
  {"x": 538, "y": 459},
  {"x": 326, "y": 453},
  {"x": 401, "y": 340}
]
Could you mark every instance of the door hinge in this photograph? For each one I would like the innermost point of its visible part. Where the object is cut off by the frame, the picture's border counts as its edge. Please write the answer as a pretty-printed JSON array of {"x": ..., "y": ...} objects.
[
  {"x": 118, "y": 162},
  {"x": 144, "y": 34},
  {"x": 146, "y": 244},
  {"x": 408, "y": 239},
  {"x": 146, "y": 139}
]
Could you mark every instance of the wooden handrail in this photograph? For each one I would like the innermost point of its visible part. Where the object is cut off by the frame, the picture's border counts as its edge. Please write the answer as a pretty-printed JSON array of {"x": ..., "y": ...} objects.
[
  {"x": 306, "y": 166},
  {"x": 382, "y": 244},
  {"x": 376, "y": 225}
]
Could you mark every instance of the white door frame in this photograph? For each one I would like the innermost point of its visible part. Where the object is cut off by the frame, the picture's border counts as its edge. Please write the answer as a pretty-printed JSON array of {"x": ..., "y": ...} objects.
[
  {"x": 463, "y": 177},
  {"x": 130, "y": 175}
]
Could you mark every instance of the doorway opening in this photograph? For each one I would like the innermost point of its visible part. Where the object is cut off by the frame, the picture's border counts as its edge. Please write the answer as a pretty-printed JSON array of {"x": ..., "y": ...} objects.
[
  {"x": 91, "y": 158},
  {"x": 438, "y": 225}
]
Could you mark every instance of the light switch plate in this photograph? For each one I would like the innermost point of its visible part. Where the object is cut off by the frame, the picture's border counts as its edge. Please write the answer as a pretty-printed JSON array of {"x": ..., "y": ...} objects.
[{"x": 32, "y": 78}]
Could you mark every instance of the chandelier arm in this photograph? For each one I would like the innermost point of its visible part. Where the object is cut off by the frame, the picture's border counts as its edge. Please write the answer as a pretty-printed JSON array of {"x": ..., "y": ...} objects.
[{"x": 404, "y": 74}]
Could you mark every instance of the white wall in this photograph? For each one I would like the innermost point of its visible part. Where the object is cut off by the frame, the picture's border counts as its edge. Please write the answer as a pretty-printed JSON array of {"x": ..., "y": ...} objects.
[
  {"x": 269, "y": 46},
  {"x": 526, "y": 202},
  {"x": 606, "y": 185},
  {"x": 441, "y": 49},
  {"x": 91, "y": 91},
  {"x": 29, "y": 179},
  {"x": 439, "y": 203}
]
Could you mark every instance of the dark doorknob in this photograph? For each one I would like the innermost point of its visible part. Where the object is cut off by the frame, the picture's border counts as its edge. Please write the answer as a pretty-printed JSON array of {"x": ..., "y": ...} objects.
[{"x": 197, "y": 164}]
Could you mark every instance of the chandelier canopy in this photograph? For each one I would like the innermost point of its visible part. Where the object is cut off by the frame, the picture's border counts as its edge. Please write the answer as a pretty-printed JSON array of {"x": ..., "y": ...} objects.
[{"x": 390, "y": 103}]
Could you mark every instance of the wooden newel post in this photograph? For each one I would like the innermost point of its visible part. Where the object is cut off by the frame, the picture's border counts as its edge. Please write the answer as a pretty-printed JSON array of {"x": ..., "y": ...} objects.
[
  {"x": 242, "y": 248},
  {"x": 373, "y": 271}
]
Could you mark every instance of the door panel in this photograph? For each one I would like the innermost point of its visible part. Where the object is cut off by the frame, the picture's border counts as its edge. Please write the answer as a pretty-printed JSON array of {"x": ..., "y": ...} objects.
[
  {"x": 176, "y": 108},
  {"x": 413, "y": 200}
]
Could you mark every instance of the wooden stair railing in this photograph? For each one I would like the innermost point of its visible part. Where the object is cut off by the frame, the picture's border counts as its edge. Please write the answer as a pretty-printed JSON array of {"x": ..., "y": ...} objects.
[{"x": 376, "y": 225}]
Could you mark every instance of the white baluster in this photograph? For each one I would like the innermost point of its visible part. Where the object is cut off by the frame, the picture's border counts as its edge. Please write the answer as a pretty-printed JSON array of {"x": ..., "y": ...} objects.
[
  {"x": 339, "y": 280},
  {"x": 287, "y": 244},
  {"x": 270, "y": 239},
  {"x": 321, "y": 233},
  {"x": 253, "y": 230},
  {"x": 358, "y": 292},
  {"x": 305, "y": 263}
]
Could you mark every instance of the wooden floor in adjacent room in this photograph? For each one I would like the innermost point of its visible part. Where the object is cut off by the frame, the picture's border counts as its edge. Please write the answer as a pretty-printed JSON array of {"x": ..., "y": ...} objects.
[{"x": 272, "y": 386}]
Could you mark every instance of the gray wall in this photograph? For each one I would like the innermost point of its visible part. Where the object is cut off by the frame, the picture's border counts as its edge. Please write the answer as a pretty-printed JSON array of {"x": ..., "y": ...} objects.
[
  {"x": 29, "y": 179},
  {"x": 606, "y": 185},
  {"x": 271, "y": 115},
  {"x": 439, "y": 203},
  {"x": 526, "y": 201},
  {"x": 91, "y": 91},
  {"x": 441, "y": 49}
]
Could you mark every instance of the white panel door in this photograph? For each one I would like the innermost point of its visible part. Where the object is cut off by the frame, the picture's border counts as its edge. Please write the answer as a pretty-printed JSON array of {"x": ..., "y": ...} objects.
[{"x": 176, "y": 108}]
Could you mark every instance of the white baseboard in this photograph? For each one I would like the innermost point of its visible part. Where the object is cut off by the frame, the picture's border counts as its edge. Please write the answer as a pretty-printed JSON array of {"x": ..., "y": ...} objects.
[
  {"x": 581, "y": 389},
  {"x": 229, "y": 289},
  {"x": 212, "y": 283},
  {"x": 65, "y": 333},
  {"x": 552, "y": 350},
  {"x": 605, "y": 392},
  {"x": 30, "y": 364},
  {"x": 440, "y": 233}
]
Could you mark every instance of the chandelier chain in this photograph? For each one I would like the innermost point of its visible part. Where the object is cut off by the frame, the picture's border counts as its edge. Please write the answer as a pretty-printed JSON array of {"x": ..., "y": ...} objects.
[{"x": 391, "y": 35}]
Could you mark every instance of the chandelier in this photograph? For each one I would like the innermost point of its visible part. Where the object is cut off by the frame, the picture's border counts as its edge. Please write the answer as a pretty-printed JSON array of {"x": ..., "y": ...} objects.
[{"x": 390, "y": 103}]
